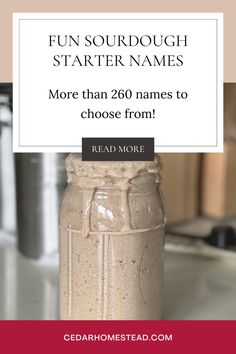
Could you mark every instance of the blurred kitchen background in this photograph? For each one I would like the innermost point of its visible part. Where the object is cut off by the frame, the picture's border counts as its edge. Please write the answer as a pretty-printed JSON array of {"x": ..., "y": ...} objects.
[{"x": 200, "y": 199}]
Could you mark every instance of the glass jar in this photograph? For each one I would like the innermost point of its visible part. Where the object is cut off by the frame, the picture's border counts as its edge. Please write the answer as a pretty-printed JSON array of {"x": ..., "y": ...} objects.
[{"x": 111, "y": 241}]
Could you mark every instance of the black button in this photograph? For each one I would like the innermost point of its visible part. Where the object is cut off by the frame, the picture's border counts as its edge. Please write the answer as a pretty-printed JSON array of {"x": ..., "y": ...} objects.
[{"x": 117, "y": 149}]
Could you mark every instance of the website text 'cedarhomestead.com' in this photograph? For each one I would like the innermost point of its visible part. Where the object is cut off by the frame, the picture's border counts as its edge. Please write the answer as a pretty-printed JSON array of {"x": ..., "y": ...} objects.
[{"x": 118, "y": 337}]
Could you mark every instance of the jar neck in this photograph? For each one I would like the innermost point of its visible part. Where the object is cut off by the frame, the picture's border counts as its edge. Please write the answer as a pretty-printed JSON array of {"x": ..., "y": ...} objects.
[{"x": 110, "y": 182}]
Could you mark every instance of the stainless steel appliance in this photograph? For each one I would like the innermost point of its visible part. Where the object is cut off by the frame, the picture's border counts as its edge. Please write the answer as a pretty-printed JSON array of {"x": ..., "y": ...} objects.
[{"x": 40, "y": 180}]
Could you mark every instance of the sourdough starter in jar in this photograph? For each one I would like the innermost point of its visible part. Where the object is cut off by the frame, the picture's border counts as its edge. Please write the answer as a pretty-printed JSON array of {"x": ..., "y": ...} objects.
[{"x": 111, "y": 241}]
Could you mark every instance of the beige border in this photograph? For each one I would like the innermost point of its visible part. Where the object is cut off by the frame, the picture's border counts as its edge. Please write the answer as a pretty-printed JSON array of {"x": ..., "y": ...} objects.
[{"x": 7, "y": 7}]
